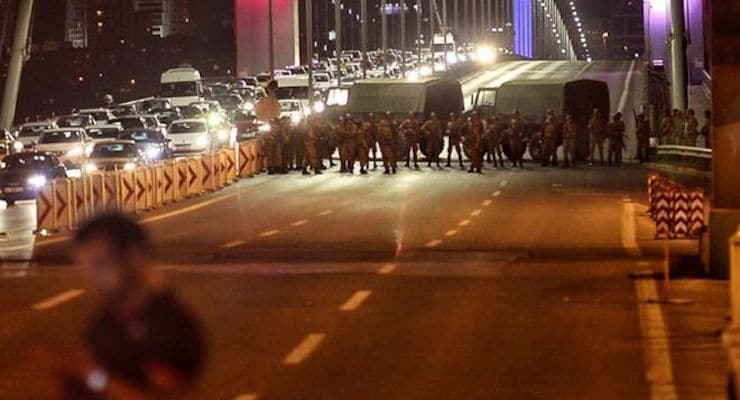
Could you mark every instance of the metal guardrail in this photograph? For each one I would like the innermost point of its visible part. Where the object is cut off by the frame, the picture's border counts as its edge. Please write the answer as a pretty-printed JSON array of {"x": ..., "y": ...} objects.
[{"x": 685, "y": 156}]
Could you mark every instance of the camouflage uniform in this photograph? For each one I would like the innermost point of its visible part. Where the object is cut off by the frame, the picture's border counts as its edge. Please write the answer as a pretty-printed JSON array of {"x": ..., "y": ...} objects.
[{"x": 432, "y": 131}]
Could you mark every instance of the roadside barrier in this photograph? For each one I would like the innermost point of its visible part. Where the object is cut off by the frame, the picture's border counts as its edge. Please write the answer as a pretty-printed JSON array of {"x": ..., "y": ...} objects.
[
  {"x": 678, "y": 211},
  {"x": 64, "y": 203}
]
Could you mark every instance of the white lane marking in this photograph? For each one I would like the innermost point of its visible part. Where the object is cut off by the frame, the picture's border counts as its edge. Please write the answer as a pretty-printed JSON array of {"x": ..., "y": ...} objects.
[
  {"x": 655, "y": 341},
  {"x": 299, "y": 223},
  {"x": 355, "y": 300},
  {"x": 464, "y": 222},
  {"x": 496, "y": 193},
  {"x": 476, "y": 213},
  {"x": 325, "y": 213},
  {"x": 487, "y": 203},
  {"x": 304, "y": 349},
  {"x": 433, "y": 243},
  {"x": 387, "y": 269},
  {"x": 232, "y": 244},
  {"x": 626, "y": 91},
  {"x": 451, "y": 233},
  {"x": 247, "y": 396},
  {"x": 629, "y": 235},
  {"x": 504, "y": 183},
  {"x": 54, "y": 301},
  {"x": 270, "y": 233},
  {"x": 186, "y": 209}
]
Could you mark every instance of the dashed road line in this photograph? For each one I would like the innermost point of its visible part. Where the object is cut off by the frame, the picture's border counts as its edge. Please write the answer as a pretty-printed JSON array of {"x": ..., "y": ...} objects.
[
  {"x": 496, "y": 193},
  {"x": 270, "y": 233},
  {"x": 299, "y": 223},
  {"x": 357, "y": 298},
  {"x": 504, "y": 183},
  {"x": 433, "y": 243},
  {"x": 325, "y": 212},
  {"x": 54, "y": 301},
  {"x": 487, "y": 203},
  {"x": 476, "y": 213},
  {"x": 387, "y": 269},
  {"x": 629, "y": 235},
  {"x": 232, "y": 244},
  {"x": 247, "y": 396},
  {"x": 304, "y": 349},
  {"x": 451, "y": 233},
  {"x": 464, "y": 222}
]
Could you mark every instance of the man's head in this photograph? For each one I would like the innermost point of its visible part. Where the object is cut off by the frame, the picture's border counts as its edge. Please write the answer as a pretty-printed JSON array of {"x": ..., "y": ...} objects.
[{"x": 114, "y": 252}]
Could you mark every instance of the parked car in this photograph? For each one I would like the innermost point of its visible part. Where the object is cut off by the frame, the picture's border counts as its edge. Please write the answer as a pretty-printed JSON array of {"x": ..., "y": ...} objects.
[
  {"x": 23, "y": 175},
  {"x": 71, "y": 145},
  {"x": 152, "y": 143},
  {"x": 131, "y": 122},
  {"x": 113, "y": 156},
  {"x": 190, "y": 135}
]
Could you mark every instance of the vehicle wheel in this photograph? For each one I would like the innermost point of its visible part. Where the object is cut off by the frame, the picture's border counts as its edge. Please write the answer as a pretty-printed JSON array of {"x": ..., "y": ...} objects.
[{"x": 10, "y": 203}]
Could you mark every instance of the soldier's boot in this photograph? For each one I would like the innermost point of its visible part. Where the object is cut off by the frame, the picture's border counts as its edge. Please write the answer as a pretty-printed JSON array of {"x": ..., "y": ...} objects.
[
  {"x": 387, "y": 171},
  {"x": 305, "y": 171}
]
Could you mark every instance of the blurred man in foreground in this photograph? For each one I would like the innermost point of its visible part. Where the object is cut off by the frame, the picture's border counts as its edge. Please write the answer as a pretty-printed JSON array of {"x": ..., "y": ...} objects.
[{"x": 142, "y": 343}]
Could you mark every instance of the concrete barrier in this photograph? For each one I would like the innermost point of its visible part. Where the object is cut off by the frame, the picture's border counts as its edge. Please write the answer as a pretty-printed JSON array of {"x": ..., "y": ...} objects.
[
  {"x": 685, "y": 156},
  {"x": 79, "y": 200},
  {"x": 111, "y": 190},
  {"x": 46, "y": 216},
  {"x": 195, "y": 178},
  {"x": 169, "y": 182},
  {"x": 63, "y": 203},
  {"x": 183, "y": 179},
  {"x": 245, "y": 160}
]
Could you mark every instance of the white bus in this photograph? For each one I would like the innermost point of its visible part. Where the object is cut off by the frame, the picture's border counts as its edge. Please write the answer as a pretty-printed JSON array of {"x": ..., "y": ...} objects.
[{"x": 181, "y": 86}]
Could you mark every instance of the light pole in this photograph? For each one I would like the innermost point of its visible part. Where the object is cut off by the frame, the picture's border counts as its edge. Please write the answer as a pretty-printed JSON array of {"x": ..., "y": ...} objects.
[
  {"x": 403, "y": 39},
  {"x": 271, "y": 29},
  {"x": 363, "y": 28},
  {"x": 337, "y": 38},
  {"x": 418, "y": 36},
  {"x": 432, "y": 11},
  {"x": 445, "y": 29},
  {"x": 384, "y": 34},
  {"x": 18, "y": 56},
  {"x": 309, "y": 48}
]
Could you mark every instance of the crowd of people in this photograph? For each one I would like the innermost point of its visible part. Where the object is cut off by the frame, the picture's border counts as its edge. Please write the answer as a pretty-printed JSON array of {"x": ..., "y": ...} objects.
[
  {"x": 481, "y": 137},
  {"x": 682, "y": 128}
]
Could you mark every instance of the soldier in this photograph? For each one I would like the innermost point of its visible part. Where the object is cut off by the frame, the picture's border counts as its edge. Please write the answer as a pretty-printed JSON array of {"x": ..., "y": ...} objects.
[
  {"x": 516, "y": 139},
  {"x": 364, "y": 137},
  {"x": 454, "y": 134},
  {"x": 677, "y": 127},
  {"x": 665, "y": 127},
  {"x": 311, "y": 142},
  {"x": 642, "y": 132},
  {"x": 432, "y": 131},
  {"x": 274, "y": 141},
  {"x": 615, "y": 131},
  {"x": 339, "y": 136},
  {"x": 349, "y": 144},
  {"x": 550, "y": 139},
  {"x": 597, "y": 134},
  {"x": 386, "y": 139},
  {"x": 570, "y": 133},
  {"x": 474, "y": 141},
  {"x": 410, "y": 131},
  {"x": 494, "y": 140},
  {"x": 692, "y": 128},
  {"x": 374, "y": 141}
]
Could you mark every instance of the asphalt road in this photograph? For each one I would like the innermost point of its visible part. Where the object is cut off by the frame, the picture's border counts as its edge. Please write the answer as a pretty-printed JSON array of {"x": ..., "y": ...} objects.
[{"x": 425, "y": 285}]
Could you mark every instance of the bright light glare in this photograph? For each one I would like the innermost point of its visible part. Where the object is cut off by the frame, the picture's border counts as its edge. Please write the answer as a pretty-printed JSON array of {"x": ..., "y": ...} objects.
[
  {"x": 37, "y": 180},
  {"x": 319, "y": 107},
  {"x": 485, "y": 55},
  {"x": 129, "y": 166}
]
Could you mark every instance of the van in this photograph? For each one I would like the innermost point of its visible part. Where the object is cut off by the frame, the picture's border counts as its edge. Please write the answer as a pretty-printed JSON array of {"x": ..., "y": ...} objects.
[{"x": 181, "y": 86}]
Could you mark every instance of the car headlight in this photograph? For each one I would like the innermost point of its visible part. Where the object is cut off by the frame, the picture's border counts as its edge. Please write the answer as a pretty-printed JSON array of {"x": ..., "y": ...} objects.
[
  {"x": 249, "y": 106},
  {"x": 129, "y": 166},
  {"x": 37, "y": 181},
  {"x": 295, "y": 119},
  {"x": 152, "y": 152},
  {"x": 264, "y": 128},
  {"x": 202, "y": 141},
  {"x": 319, "y": 107},
  {"x": 18, "y": 146},
  {"x": 89, "y": 168},
  {"x": 214, "y": 119},
  {"x": 76, "y": 151}
]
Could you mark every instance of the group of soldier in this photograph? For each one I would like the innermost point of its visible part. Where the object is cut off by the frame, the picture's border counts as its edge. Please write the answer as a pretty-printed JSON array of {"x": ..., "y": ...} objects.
[
  {"x": 481, "y": 137},
  {"x": 682, "y": 128}
]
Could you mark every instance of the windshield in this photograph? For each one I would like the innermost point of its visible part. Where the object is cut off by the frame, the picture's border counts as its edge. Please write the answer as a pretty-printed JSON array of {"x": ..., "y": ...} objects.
[
  {"x": 21, "y": 161},
  {"x": 290, "y": 106},
  {"x": 131, "y": 123},
  {"x": 180, "y": 89},
  {"x": 187, "y": 127},
  {"x": 141, "y": 136},
  {"x": 30, "y": 132},
  {"x": 337, "y": 97},
  {"x": 108, "y": 150},
  {"x": 104, "y": 133},
  {"x": 75, "y": 121},
  {"x": 191, "y": 112},
  {"x": 59, "y": 137},
  {"x": 296, "y": 92}
]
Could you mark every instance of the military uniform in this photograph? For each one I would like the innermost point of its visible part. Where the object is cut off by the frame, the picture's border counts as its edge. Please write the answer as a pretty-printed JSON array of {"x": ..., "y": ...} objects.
[
  {"x": 642, "y": 132},
  {"x": 550, "y": 141},
  {"x": 386, "y": 139},
  {"x": 516, "y": 140},
  {"x": 615, "y": 131},
  {"x": 454, "y": 133},
  {"x": 432, "y": 130},
  {"x": 339, "y": 135},
  {"x": 349, "y": 145},
  {"x": 692, "y": 129},
  {"x": 474, "y": 141},
  {"x": 410, "y": 130},
  {"x": 597, "y": 135},
  {"x": 494, "y": 140},
  {"x": 311, "y": 143},
  {"x": 364, "y": 139},
  {"x": 570, "y": 134}
]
